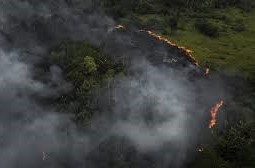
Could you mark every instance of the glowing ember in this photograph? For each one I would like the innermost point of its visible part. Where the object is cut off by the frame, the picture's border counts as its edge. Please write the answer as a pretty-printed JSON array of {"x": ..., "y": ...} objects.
[
  {"x": 200, "y": 149},
  {"x": 207, "y": 71},
  {"x": 187, "y": 52},
  {"x": 214, "y": 112},
  {"x": 119, "y": 27}
]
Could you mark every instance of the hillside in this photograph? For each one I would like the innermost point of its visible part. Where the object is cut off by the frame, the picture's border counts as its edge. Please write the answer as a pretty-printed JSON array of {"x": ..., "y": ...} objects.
[
  {"x": 221, "y": 38},
  {"x": 221, "y": 35},
  {"x": 127, "y": 84}
]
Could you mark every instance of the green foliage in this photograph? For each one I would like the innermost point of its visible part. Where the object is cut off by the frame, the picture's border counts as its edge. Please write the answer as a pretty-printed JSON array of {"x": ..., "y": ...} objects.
[
  {"x": 88, "y": 69},
  {"x": 191, "y": 25},
  {"x": 209, "y": 159},
  {"x": 243, "y": 4},
  {"x": 232, "y": 147},
  {"x": 115, "y": 7},
  {"x": 172, "y": 22},
  {"x": 234, "y": 144},
  {"x": 207, "y": 28},
  {"x": 89, "y": 84},
  {"x": 89, "y": 64},
  {"x": 121, "y": 8},
  {"x": 239, "y": 26}
]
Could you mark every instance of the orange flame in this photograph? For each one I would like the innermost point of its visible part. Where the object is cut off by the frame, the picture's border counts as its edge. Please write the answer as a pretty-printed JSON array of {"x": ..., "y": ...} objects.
[
  {"x": 214, "y": 112},
  {"x": 187, "y": 52}
]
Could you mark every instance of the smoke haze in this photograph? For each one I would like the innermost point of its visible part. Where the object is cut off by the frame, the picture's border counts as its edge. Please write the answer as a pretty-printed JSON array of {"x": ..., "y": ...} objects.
[{"x": 158, "y": 109}]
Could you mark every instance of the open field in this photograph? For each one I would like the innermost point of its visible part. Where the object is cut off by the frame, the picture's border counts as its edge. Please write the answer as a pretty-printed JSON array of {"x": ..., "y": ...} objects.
[{"x": 233, "y": 50}]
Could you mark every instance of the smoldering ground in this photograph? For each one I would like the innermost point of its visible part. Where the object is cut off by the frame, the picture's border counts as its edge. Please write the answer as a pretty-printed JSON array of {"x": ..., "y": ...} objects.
[{"x": 158, "y": 110}]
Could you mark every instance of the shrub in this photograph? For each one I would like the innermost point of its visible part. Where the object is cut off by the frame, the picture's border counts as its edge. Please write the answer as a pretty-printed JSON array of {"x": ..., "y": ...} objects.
[
  {"x": 207, "y": 28},
  {"x": 173, "y": 22},
  {"x": 154, "y": 24},
  {"x": 235, "y": 143},
  {"x": 89, "y": 64},
  {"x": 239, "y": 26},
  {"x": 88, "y": 69}
]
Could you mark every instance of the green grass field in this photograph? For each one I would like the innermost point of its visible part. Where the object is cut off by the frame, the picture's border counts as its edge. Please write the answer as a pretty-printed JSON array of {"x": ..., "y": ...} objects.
[{"x": 232, "y": 51}]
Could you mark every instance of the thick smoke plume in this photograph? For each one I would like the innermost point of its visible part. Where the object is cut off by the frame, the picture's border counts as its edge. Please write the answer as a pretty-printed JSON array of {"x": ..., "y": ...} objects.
[
  {"x": 29, "y": 130},
  {"x": 35, "y": 25},
  {"x": 160, "y": 110}
]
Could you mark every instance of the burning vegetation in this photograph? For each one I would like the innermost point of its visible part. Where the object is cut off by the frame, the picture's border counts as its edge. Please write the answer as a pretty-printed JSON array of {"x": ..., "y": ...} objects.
[
  {"x": 186, "y": 52},
  {"x": 214, "y": 112},
  {"x": 94, "y": 76}
]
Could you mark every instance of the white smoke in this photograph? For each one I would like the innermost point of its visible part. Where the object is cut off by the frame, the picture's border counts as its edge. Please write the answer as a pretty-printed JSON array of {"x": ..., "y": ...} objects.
[
  {"x": 15, "y": 73},
  {"x": 155, "y": 108},
  {"x": 26, "y": 128},
  {"x": 162, "y": 106}
]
